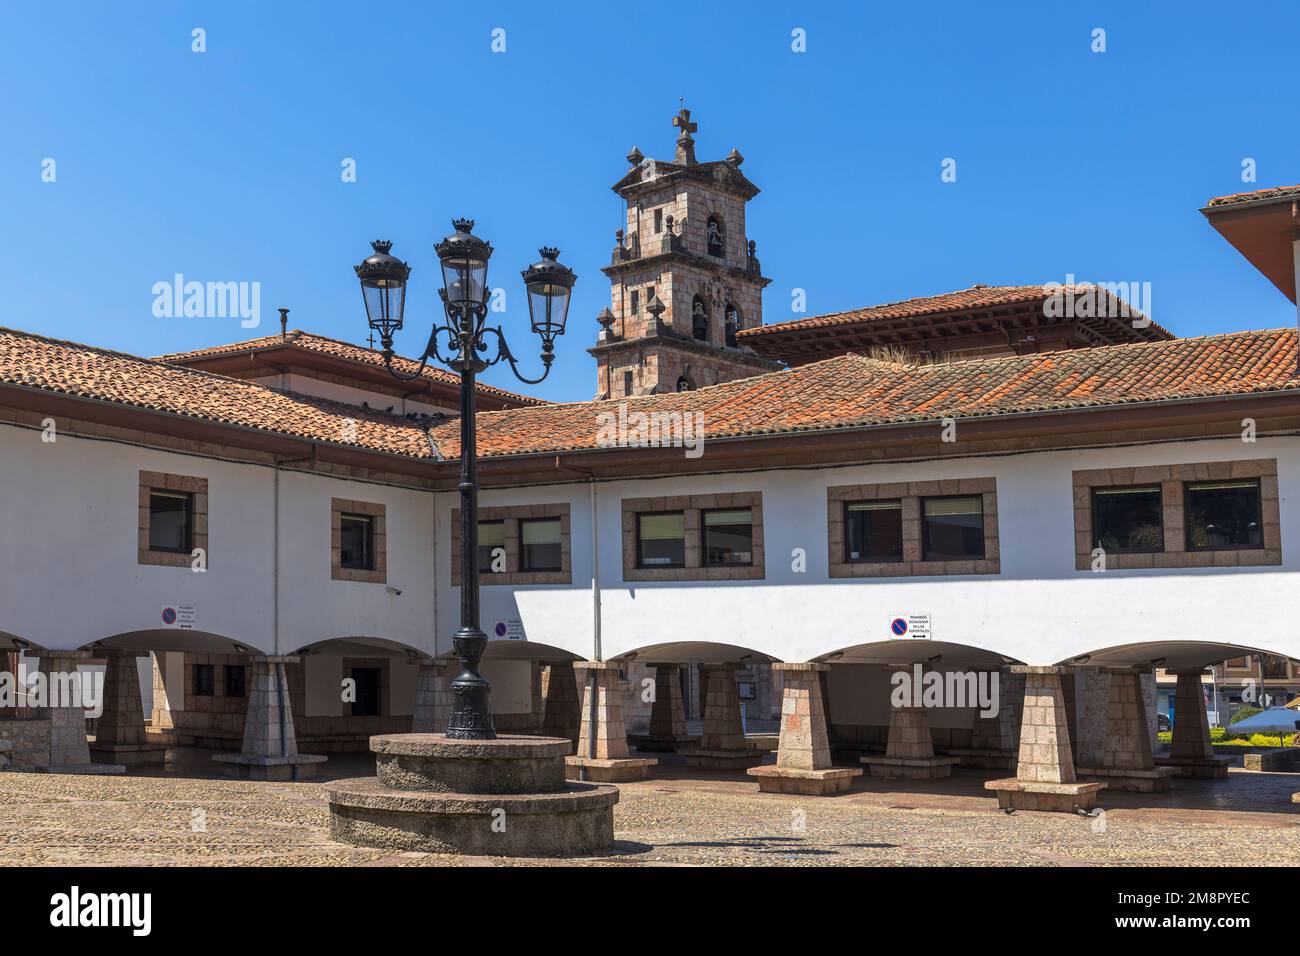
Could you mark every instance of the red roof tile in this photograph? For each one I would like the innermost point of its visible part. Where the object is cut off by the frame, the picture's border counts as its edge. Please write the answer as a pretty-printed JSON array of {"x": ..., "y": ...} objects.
[
  {"x": 85, "y": 372},
  {"x": 1273, "y": 192},
  {"x": 964, "y": 300},
  {"x": 844, "y": 392},
  {"x": 852, "y": 390},
  {"x": 296, "y": 338}
]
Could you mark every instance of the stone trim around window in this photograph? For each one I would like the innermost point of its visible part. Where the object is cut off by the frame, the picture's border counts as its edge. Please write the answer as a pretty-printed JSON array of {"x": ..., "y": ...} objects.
[
  {"x": 198, "y": 487},
  {"x": 342, "y": 506},
  {"x": 511, "y": 515},
  {"x": 910, "y": 494},
  {"x": 1173, "y": 480},
  {"x": 691, "y": 506}
]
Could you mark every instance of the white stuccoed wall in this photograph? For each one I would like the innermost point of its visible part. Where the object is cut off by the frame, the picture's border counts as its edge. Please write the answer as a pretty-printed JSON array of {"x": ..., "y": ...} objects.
[
  {"x": 68, "y": 571},
  {"x": 1039, "y": 609}
]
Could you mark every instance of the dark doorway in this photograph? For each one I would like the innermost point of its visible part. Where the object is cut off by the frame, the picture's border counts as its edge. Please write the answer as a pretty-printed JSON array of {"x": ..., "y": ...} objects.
[{"x": 366, "y": 680}]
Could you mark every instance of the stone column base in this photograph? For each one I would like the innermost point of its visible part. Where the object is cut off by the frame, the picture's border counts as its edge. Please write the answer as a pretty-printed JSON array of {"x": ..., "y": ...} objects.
[
  {"x": 812, "y": 783},
  {"x": 983, "y": 759},
  {"x": 1016, "y": 794},
  {"x": 723, "y": 759},
  {"x": 1122, "y": 778},
  {"x": 1199, "y": 768},
  {"x": 129, "y": 755},
  {"x": 911, "y": 768},
  {"x": 595, "y": 770},
  {"x": 662, "y": 743},
  {"x": 253, "y": 767}
]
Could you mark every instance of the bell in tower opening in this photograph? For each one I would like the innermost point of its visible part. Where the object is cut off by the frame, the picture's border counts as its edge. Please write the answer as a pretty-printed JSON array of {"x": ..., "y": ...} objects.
[{"x": 670, "y": 271}]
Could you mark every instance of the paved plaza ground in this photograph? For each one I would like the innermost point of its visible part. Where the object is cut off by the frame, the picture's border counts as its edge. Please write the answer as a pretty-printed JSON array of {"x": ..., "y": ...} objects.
[{"x": 676, "y": 819}]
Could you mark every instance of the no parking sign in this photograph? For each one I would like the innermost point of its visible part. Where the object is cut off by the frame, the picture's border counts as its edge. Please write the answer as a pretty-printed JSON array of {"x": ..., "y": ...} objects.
[{"x": 910, "y": 627}]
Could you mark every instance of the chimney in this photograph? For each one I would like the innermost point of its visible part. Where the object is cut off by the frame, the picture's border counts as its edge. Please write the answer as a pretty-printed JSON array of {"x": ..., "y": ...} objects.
[{"x": 284, "y": 324}]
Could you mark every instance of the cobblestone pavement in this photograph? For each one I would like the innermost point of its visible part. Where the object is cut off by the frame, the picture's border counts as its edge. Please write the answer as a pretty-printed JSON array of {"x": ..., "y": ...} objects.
[{"x": 703, "y": 819}]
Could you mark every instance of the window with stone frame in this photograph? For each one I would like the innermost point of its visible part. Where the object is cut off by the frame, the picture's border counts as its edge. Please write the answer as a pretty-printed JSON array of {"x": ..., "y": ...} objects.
[
  {"x": 913, "y": 528},
  {"x": 635, "y": 305},
  {"x": 358, "y": 541},
  {"x": 204, "y": 680},
  {"x": 673, "y": 539},
  {"x": 700, "y": 319},
  {"x": 528, "y": 537},
  {"x": 173, "y": 519},
  {"x": 1212, "y": 514}
]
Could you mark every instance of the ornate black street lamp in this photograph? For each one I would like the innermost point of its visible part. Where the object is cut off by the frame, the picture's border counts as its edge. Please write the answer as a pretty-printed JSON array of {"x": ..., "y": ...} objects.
[{"x": 464, "y": 258}]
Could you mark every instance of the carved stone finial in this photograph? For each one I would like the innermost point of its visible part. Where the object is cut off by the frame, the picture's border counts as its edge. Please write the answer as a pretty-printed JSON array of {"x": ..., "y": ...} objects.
[
  {"x": 605, "y": 318},
  {"x": 656, "y": 307},
  {"x": 635, "y": 156},
  {"x": 734, "y": 158}
]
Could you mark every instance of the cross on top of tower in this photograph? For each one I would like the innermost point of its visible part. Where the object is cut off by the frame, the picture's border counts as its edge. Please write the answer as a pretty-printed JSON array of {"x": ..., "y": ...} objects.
[{"x": 685, "y": 144}]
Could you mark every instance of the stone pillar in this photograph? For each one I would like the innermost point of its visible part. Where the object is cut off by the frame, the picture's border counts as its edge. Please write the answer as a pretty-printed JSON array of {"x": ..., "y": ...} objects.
[
  {"x": 910, "y": 750},
  {"x": 270, "y": 750},
  {"x": 1190, "y": 753},
  {"x": 1045, "y": 778},
  {"x": 667, "y": 715},
  {"x": 1092, "y": 710},
  {"x": 722, "y": 744},
  {"x": 432, "y": 698},
  {"x": 120, "y": 735},
  {"x": 994, "y": 739},
  {"x": 803, "y": 756},
  {"x": 603, "y": 755},
  {"x": 69, "y": 749},
  {"x": 161, "y": 717},
  {"x": 562, "y": 715},
  {"x": 1126, "y": 762}
]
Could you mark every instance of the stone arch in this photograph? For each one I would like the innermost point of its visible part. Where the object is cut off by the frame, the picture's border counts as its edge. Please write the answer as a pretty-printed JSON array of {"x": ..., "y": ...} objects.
[
  {"x": 685, "y": 384},
  {"x": 733, "y": 322},
  {"x": 715, "y": 236},
  {"x": 700, "y": 318}
]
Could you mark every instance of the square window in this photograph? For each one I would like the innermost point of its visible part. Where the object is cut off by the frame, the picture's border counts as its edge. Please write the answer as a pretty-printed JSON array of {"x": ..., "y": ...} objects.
[
  {"x": 952, "y": 528},
  {"x": 539, "y": 539},
  {"x": 204, "y": 684},
  {"x": 873, "y": 530},
  {"x": 171, "y": 521},
  {"x": 1128, "y": 520},
  {"x": 234, "y": 680},
  {"x": 1224, "y": 514},
  {"x": 661, "y": 540},
  {"x": 729, "y": 537},
  {"x": 491, "y": 547},
  {"x": 357, "y": 542}
]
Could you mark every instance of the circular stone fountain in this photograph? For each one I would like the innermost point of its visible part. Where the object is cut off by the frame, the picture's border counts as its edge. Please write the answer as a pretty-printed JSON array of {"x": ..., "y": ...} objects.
[{"x": 502, "y": 797}]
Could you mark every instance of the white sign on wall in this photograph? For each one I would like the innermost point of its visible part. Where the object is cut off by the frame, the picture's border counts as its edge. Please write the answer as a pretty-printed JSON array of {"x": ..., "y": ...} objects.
[
  {"x": 910, "y": 627},
  {"x": 178, "y": 615},
  {"x": 508, "y": 631}
]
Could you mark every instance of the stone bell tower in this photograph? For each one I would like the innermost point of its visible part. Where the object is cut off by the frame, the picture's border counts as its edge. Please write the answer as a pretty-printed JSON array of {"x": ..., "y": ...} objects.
[{"x": 684, "y": 277}]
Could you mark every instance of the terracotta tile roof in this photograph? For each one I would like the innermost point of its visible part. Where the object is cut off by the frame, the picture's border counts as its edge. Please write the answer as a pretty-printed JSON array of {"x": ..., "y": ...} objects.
[
  {"x": 86, "y": 372},
  {"x": 852, "y": 390},
  {"x": 297, "y": 338},
  {"x": 841, "y": 392},
  {"x": 1273, "y": 192},
  {"x": 976, "y": 297}
]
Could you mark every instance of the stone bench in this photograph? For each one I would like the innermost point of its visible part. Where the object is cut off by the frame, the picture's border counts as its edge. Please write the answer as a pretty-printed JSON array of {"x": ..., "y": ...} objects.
[
  {"x": 911, "y": 768},
  {"x": 1016, "y": 794},
  {"x": 1155, "y": 780},
  {"x": 1284, "y": 760}
]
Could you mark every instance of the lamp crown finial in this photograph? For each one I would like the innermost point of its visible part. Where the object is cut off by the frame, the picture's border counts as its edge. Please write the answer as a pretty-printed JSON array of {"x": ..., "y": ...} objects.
[
  {"x": 463, "y": 225},
  {"x": 549, "y": 252},
  {"x": 381, "y": 246}
]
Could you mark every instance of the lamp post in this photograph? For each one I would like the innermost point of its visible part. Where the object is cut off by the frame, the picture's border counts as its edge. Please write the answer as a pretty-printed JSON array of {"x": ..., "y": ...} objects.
[{"x": 464, "y": 259}]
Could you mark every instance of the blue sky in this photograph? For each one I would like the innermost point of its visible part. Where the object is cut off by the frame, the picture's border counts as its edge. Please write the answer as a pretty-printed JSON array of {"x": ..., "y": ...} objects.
[{"x": 225, "y": 165}]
